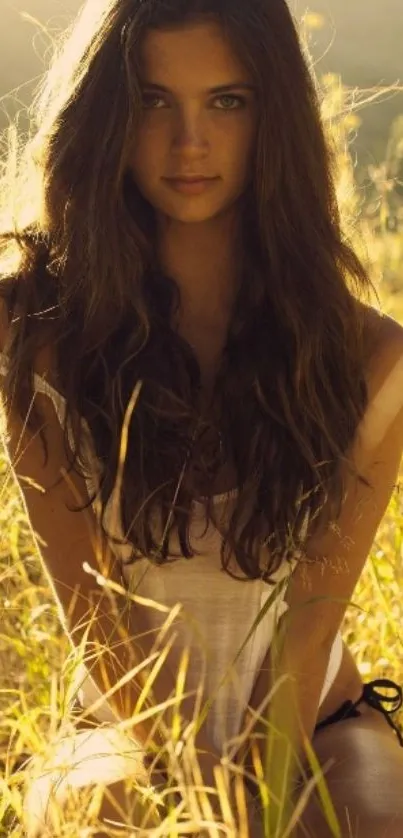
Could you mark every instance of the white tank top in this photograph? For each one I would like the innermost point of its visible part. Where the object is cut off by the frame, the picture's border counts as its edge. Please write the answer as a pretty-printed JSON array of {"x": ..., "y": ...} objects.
[{"x": 218, "y": 611}]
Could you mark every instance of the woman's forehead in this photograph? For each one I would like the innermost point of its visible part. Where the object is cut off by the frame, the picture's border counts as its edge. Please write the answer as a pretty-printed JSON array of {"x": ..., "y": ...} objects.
[{"x": 188, "y": 54}]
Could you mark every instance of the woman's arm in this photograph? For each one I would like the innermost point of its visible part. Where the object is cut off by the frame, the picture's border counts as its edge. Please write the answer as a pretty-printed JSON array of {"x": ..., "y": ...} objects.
[
  {"x": 295, "y": 683},
  {"x": 321, "y": 589},
  {"x": 67, "y": 542}
]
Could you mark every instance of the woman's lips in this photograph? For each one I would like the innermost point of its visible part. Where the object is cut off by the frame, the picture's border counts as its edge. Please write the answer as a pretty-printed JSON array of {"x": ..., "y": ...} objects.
[{"x": 191, "y": 187}]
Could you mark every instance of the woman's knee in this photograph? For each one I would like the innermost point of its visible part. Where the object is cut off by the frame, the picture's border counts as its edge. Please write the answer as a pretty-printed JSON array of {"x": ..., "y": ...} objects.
[{"x": 54, "y": 783}]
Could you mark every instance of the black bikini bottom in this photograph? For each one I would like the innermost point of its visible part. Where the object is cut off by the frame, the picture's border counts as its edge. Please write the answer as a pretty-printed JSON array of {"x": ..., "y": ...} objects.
[{"x": 374, "y": 699}]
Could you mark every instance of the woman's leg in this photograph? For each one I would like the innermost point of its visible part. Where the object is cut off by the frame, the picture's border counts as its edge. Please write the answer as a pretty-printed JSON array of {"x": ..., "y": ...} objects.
[{"x": 365, "y": 781}]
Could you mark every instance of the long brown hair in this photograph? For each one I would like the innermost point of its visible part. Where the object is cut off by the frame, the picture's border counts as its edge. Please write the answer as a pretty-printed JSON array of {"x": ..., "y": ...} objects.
[{"x": 79, "y": 275}]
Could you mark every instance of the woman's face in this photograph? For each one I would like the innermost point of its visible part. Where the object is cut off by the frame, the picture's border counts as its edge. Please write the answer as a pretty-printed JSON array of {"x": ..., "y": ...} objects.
[{"x": 199, "y": 119}]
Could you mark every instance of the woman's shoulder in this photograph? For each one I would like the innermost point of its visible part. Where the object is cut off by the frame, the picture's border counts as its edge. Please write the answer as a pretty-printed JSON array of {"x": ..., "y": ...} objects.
[
  {"x": 384, "y": 375},
  {"x": 382, "y": 326},
  {"x": 44, "y": 363},
  {"x": 385, "y": 341}
]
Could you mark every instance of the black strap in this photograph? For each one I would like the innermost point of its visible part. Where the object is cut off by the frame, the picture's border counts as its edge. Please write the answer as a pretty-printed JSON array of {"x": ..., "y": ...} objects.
[
  {"x": 376, "y": 699},
  {"x": 346, "y": 711}
]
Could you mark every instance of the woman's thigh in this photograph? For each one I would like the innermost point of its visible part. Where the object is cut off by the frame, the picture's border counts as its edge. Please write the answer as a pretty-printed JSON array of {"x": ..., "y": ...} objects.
[
  {"x": 73, "y": 765},
  {"x": 365, "y": 780}
]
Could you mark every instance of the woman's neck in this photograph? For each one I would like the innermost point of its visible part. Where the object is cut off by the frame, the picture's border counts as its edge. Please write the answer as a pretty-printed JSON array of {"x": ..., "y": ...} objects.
[{"x": 202, "y": 259}]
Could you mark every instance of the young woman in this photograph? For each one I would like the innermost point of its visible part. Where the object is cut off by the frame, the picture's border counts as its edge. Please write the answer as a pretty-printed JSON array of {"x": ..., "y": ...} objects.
[{"x": 211, "y": 384}]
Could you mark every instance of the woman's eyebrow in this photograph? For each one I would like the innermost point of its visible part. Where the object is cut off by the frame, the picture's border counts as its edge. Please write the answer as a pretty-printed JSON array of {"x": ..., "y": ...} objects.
[{"x": 222, "y": 88}]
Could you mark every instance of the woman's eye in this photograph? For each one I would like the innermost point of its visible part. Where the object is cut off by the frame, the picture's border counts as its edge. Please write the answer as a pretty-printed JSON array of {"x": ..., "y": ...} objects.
[
  {"x": 226, "y": 102},
  {"x": 150, "y": 100},
  {"x": 231, "y": 103}
]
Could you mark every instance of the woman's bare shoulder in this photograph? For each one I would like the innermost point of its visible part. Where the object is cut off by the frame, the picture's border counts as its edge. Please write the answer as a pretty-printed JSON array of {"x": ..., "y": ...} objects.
[
  {"x": 44, "y": 363},
  {"x": 384, "y": 375},
  {"x": 385, "y": 341}
]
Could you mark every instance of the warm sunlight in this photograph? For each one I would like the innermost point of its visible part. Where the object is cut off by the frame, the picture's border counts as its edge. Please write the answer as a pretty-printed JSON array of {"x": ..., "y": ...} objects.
[{"x": 189, "y": 226}]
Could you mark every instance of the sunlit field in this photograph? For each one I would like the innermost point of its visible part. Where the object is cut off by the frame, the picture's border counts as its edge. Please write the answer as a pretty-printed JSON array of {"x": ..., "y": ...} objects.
[{"x": 36, "y": 658}]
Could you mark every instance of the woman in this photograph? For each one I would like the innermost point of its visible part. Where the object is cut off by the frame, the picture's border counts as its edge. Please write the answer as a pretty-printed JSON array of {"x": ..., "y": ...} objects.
[{"x": 177, "y": 269}]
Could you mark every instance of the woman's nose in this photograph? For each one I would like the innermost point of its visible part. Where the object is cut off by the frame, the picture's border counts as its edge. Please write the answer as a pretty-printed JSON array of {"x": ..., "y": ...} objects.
[{"x": 190, "y": 131}]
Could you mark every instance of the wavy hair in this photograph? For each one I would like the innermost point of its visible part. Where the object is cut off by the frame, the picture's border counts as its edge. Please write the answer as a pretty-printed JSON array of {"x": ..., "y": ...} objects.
[{"x": 79, "y": 274}]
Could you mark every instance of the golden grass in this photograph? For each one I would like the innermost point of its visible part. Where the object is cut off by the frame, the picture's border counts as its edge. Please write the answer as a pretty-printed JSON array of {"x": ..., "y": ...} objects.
[{"x": 34, "y": 652}]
